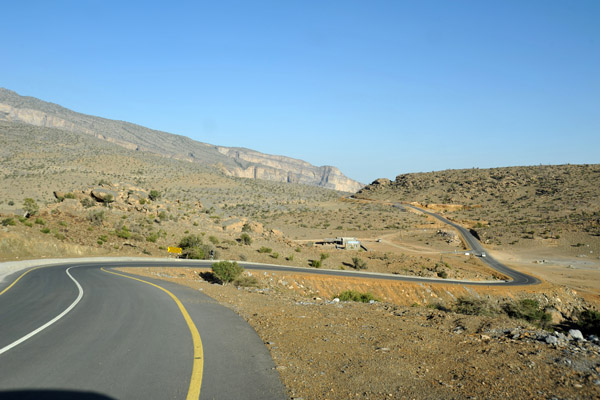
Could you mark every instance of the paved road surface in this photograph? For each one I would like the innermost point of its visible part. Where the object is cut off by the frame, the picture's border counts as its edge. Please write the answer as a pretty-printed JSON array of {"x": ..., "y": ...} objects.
[
  {"x": 518, "y": 278},
  {"x": 124, "y": 339}
]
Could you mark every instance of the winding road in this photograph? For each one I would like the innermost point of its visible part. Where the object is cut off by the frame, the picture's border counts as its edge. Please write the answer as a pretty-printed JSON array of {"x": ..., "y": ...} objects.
[
  {"x": 76, "y": 329},
  {"x": 79, "y": 330}
]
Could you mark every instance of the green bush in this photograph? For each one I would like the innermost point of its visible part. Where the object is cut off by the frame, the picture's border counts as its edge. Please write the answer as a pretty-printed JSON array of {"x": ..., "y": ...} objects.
[
  {"x": 152, "y": 237},
  {"x": 315, "y": 263},
  {"x": 227, "y": 271},
  {"x": 354, "y": 295},
  {"x": 87, "y": 202},
  {"x": 45, "y": 230},
  {"x": 245, "y": 239},
  {"x": 213, "y": 239},
  {"x": 40, "y": 221},
  {"x": 275, "y": 255},
  {"x": 589, "y": 321},
  {"x": 8, "y": 221},
  {"x": 189, "y": 241},
  {"x": 246, "y": 281},
  {"x": 264, "y": 249},
  {"x": 154, "y": 195},
  {"x": 529, "y": 310},
  {"x": 96, "y": 217},
  {"x": 472, "y": 306},
  {"x": 358, "y": 263},
  {"x": 30, "y": 206},
  {"x": 123, "y": 232}
]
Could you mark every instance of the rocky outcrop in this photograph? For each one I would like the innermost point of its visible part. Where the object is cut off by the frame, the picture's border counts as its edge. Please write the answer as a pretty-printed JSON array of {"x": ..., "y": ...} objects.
[
  {"x": 237, "y": 162},
  {"x": 252, "y": 164}
]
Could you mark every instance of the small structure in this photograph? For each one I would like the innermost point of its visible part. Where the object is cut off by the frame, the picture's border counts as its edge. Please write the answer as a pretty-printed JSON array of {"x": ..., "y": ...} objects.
[{"x": 344, "y": 243}]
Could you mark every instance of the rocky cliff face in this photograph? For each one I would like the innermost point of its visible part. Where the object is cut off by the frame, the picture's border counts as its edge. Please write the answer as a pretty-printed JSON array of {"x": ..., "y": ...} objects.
[
  {"x": 238, "y": 162},
  {"x": 252, "y": 164}
]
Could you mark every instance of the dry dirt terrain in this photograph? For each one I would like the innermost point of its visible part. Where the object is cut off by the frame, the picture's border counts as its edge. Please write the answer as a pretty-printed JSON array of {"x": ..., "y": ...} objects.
[{"x": 343, "y": 350}]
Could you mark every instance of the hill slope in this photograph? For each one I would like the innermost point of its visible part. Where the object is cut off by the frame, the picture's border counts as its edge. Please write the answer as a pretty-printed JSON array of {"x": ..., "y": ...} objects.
[
  {"x": 534, "y": 202},
  {"x": 237, "y": 162}
]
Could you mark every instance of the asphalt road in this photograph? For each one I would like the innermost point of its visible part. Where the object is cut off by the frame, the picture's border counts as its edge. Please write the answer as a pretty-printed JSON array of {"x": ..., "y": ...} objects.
[
  {"x": 518, "y": 278},
  {"x": 124, "y": 339}
]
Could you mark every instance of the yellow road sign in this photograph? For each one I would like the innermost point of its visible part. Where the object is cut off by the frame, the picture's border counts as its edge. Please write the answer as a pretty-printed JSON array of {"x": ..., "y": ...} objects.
[{"x": 176, "y": 250}]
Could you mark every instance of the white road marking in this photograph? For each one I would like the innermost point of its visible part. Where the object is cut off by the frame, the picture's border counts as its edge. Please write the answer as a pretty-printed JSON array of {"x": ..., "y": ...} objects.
[{"x": 47, "y": 324}]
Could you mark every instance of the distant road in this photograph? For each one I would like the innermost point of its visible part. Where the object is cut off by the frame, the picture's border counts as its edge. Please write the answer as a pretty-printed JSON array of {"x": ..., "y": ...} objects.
[{"x": 518, "y": 278}]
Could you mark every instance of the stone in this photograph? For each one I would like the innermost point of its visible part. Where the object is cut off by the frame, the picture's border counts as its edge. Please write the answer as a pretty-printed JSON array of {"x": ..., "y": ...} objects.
[
  {"x": 104, "y": 195},
  {"x": 576, "y": 334},
  {"x": 551, "y": 339}
]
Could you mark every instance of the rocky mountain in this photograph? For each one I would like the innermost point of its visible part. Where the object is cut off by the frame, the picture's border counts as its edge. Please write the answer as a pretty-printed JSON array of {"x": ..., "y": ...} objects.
[{"x": 237, "y": 162}]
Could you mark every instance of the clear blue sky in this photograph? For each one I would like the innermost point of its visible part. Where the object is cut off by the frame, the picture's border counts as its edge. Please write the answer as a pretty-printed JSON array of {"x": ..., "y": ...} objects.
[{"x": 376, "y": 88}]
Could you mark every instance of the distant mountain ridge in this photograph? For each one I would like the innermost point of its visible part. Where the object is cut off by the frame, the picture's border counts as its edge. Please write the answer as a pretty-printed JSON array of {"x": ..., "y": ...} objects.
[{"x": 239, "y": 162}]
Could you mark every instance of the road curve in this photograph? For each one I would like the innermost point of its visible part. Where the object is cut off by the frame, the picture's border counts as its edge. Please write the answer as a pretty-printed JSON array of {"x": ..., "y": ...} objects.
[
  {"x": 120, "y": 338},
  {"x": 518, "y": 278}
]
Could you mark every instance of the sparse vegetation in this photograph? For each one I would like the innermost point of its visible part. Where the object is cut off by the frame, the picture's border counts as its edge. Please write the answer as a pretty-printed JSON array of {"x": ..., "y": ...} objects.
[
  {"x": 227, "y": 271},
  {"x": 473, "y": 306},
  {"x": 30, "y": 206},
  {"x": 245, "y": 239},
  {"x": 354, "y": 295},
  {"x": 358, "y": 263}
]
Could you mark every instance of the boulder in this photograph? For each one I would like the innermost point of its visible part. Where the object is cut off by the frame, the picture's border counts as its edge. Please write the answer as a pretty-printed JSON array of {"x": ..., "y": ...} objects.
[
  {"x": 104, "y": 195},
  {"x": 576, "y": 334}
]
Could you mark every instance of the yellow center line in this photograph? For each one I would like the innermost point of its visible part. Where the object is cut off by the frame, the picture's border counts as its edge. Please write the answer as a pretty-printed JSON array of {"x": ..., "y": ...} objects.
[
  {"x": 198, "y": 367},
  {"x": 17, "y": 280}
]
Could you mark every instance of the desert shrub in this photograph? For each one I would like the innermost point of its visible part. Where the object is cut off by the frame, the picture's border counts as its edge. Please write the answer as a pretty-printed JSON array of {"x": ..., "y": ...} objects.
[
  {"x": 162, "y": 215},
  {"x": 8, "y": 221},
  {"x": 315, "y": 263},
  {"x": 103, "y": 238},
  {"x": 358, "y": 263},
  {"x": 40, "y": 221},
  {"x": 290, "y": 257},
  {"x": 472, "y": 306},
  {"x": 213, "y": 239},
  {"x": 324, "y": 256},
  {"x": 442, "y": 274},
  {"x": 142, "y": 201},
  {"x": 354, "y": 295},
  {"x": 227, "y": 271},
  {"x": 246, "y": 227},
  {"x": 87, "y": 202},
  {"x": 59, "y": 236},
  {"x": 11, "y": 203},
  {"x": 275, "y": 255},
  {"x": 264, "y": 249},
  {"x": 527, "y": 309},
  {"x": 69, "y": 196},
  {"x": 96, "y": 217},
  {"x": 189, "y": 241},
  {"x": 438, "y": 306},
  {"x": 589, "y": 321},
  {"x": 30, "y": 206},
  {"x": 123, "y": 232},
  {"x": 152, "y": 237},
  {"x": 245, "y": 239},
  {"x": 154, "y": 195},
  {"x": 246, "y": 281},
  {"x": 45, "y": 230}
]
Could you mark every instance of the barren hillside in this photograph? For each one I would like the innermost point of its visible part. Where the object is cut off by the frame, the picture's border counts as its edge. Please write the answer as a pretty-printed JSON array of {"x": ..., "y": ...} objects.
[{"x": 238, "y": 162}]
